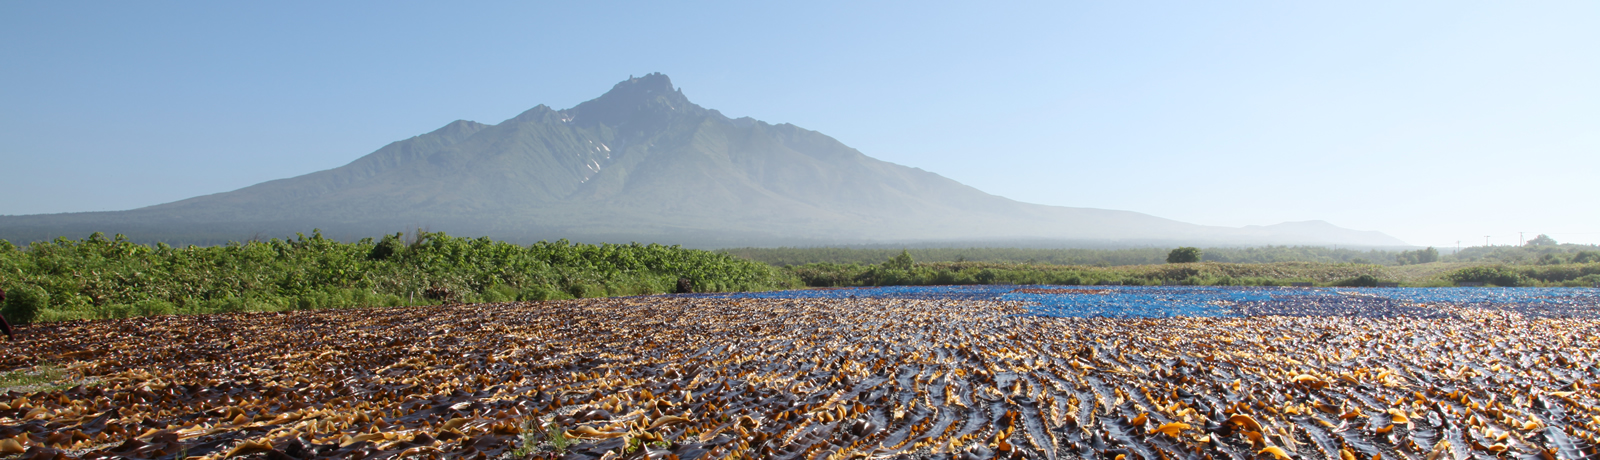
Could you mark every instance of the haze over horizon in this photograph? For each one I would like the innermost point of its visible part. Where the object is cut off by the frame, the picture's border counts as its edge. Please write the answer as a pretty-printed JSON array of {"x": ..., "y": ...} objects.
[{"x": 1435, "y": 123}]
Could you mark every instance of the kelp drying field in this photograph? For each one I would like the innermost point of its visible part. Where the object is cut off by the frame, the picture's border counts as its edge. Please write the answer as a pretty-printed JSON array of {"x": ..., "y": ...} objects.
[{"x": 833, "y": 374}]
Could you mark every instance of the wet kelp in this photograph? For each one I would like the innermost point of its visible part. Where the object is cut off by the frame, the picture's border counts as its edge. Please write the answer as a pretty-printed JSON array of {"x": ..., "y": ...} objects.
[{"x": 699, "y": 377}]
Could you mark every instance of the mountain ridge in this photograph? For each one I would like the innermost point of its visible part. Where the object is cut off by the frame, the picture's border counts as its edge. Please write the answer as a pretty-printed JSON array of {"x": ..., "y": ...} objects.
[{"x": 642, "y": 162}]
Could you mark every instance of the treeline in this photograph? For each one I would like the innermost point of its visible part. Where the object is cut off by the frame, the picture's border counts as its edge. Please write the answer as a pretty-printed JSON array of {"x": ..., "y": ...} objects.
[
  {"x": 101, "y": 277},
  {"x": 1089, "y": 257},
  {"x": 1536, "y": 252}
]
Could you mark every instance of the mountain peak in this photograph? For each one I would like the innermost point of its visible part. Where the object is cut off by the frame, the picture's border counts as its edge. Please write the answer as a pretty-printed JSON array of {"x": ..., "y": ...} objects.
[
  {"x": 648, "y": 88},
  {"x": 651, "y": 95},
  {"x": 651, "y": 82}
]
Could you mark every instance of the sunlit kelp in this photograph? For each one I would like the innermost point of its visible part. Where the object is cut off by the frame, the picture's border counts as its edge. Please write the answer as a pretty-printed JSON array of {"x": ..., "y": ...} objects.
[{"x": 704, "y": 377}]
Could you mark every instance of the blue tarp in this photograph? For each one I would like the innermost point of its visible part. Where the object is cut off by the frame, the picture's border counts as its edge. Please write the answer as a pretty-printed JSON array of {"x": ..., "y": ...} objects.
[{"x": 1164, "y": 301}]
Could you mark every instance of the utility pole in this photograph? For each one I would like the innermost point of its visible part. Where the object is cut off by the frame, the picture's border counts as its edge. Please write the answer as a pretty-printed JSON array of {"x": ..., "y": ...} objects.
[
  {"x": 1520, "y": 239},
  {"x": 1486, "y": 241}
]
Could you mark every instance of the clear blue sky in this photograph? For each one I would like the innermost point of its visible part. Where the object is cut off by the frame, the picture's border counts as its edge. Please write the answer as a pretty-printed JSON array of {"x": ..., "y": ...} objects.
[{"x": 1431, "y": 121}]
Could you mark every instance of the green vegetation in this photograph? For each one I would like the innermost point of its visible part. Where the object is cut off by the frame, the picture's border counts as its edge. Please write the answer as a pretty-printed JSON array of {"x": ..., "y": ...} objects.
[
  {"x": 1360, "y": 281},
  {"x": 1542, "y": 250},
  {"x": 1420, "y": 256},
  {"x": 1184, "y": 255},
  {"x": 899, "y": 271},
  {"x": 1571, "y": 275},
  {"x": 43, "y": 377},
  {"x": 535, "y": 438},
  {"x": 23, "y": 303},
  {"x": 97, "y": 277},
  {"x": 114, "y": 278},
  {"x": 1543, "y": 264},
  {"x": 893, "y": 272},
  {"x": 1518, "y": 255},
  {"x": 788, "y": 256}
]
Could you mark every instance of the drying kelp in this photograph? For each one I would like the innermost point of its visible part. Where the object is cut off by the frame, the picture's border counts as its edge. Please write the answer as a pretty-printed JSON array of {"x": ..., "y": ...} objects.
[{"x": 685, "y": 377}]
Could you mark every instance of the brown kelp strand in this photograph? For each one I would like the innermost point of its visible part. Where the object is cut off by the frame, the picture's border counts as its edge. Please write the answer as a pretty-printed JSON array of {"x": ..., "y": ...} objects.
[{"x": 687, "y": 378}]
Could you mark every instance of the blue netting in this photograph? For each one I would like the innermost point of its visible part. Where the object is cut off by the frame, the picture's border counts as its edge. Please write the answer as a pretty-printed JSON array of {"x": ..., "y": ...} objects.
[{"x": 1164, "y": 301}]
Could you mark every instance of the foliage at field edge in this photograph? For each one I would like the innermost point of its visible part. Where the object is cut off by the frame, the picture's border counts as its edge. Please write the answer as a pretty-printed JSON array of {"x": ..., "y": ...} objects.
[
  {"x": 901, "y": 270},
  {"x": 99, "y": 277}
]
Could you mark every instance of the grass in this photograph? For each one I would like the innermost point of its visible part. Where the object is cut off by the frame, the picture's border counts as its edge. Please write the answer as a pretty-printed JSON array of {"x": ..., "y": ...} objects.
[
  {"x": 534, "y": 438},
  {"x": 1426, "y": 273},
  {"x": 43, "y": 377}
]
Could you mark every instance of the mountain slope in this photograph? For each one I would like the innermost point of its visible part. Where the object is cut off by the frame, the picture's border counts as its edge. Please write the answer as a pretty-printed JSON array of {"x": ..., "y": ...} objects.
[{"x": 643, "y": 163}]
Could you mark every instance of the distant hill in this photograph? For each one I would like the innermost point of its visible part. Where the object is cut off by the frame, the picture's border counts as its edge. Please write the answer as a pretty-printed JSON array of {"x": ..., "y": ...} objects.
[{"x": 642, "y": 163}]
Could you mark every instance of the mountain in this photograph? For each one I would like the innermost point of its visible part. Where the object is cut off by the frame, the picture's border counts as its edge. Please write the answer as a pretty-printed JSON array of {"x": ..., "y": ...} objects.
[{"x": 643, "y": 163}]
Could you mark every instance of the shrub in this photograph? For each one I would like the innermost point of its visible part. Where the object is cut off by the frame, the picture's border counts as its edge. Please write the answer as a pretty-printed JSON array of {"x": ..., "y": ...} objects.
[
  {"x": 498, "y": 294},
  {"x": 117, "y": 311},
  {"x": 1359, "y": 281},
  {"x": 986, "y": 276},
  {"x": 23, "y": 303},
  {"x": 900, "y": 262},
  {"x": 1496, "y": 275},
  {"x": 1421, "y": 256},
  {"x": 540, "y": 292},
  {"x": 580, "y": 290},
  {"x": 389, "y": 246},
  {"x": 53, "y": 315},
  {"x": 1183, "y": 255}
]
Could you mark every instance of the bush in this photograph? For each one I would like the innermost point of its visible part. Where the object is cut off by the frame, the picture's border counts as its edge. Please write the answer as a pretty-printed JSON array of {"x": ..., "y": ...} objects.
[
  {"x": 117, "y": 311},
  {"x": 540, "y": 292},
  {"x": 1421, "y": 256},
  {"x": 53, "y": 315},
  {"x": 1359, "y": 281},
  {"x": 1496, "y": 275},
  {"x": 23, "y": 303},
  {"x": 1183, "y": 255},
  {"x": 584, "y": 290},
  {"x": 389, "y": 246},
  {"x": 498, "y": 294},
  {"x": 154, "y": 307},
  {"x": 986, "y": 276}
]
